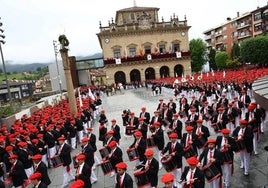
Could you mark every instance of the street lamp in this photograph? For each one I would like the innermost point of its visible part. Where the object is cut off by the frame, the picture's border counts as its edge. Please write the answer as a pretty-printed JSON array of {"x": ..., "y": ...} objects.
[
  {"x": 56, "y": 51},
  {"x": 2, "y": 37}
]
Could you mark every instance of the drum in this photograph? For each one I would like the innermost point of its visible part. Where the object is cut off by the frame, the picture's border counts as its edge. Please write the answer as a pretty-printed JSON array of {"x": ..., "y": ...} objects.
[
  {"x": 8, "y": 183},
  {"x": 104, "y": 152},
  {"x": 200, "y": 142},
  {"x": 132, "y": 154},
  {"x": 141, "y": 178},
  {"x": 211, "y": 172},
  {"x": 56, "y": 161},
  {"x": 168, "y": 163},
  {"x": 227, "y": 159},
  {"x": 189, "y": 152},
  {"x": 106, "y": 167},
  {"x": 150, "y": 142},
  {"x": 240, "y": 145},
  {"x": 130, "y": 130}
]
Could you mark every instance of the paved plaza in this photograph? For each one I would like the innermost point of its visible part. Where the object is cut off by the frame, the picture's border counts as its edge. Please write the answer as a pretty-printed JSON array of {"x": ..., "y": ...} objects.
[{"x": 134, "y": 99}]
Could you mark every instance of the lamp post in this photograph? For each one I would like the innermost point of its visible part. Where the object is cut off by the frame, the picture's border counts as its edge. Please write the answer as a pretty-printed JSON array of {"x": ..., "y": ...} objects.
[
  {"x": 55, "y": 44},
  {"x": 3, "y": 61}
]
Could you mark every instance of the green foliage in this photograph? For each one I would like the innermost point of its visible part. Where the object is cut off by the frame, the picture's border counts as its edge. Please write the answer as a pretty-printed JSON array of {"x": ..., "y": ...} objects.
[
  {"x": 221, "y": 60},
  {"x": 211, "y": 59},
  {"x": 233, "y": 63},
  {"x": 198, "y": 54},
  {"x": 254, "y": 50},
  {"x": 235, "y": 52},
  {"x": 6, "y": 111}
]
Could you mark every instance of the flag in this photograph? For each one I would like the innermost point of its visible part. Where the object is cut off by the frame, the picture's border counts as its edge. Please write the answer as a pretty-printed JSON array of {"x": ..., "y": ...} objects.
[
  {"x": 126, "y": 52},
  {"x": 80, "y": 98}
]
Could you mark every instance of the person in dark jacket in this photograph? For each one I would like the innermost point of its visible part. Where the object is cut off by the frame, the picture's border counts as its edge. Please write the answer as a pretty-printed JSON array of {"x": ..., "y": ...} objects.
[
  {"x": 39, "y": 166},
  {"x": 212, "y": 156},
  {"x": 150, "y": 165},
  {"x": 83, "y": 171},
  {"x": 35, "y": 179},
  {"x": 244, "y": 137},
  {"x": 193, "y": 176},
  {"x": 64, "y": 152},
  {"x": 17, "y": 172},
  {"x": 158, "y": 137},
  {"x": 123, "y": 179}
]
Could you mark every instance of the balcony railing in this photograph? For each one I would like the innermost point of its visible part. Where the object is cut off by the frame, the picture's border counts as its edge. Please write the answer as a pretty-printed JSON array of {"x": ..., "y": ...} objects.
[{"x": 144, "y": 57}]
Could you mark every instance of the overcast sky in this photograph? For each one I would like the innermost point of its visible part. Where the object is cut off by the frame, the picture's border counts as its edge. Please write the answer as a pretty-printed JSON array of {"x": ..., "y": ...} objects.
[{"x": 32, "y": 25}]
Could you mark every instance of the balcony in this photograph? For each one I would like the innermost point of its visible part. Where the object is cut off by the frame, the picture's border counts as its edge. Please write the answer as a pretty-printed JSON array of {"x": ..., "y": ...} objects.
[
  {"x": 154, "y": 56},
  {"x": 243, "y": 25}
]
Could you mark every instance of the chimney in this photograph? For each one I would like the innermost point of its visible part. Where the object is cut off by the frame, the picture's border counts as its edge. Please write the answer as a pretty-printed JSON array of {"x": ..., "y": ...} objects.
[{"x": 237, "y": 14}]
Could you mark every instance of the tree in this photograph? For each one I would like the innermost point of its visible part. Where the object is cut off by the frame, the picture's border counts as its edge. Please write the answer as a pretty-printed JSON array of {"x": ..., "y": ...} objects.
[
  {"x": 235, "y": 52},
  {"x": 198, "y": 54},
  {"x": 1, "y": 71},
  {"x": 221, "y": 59},
  {"x": 211, "y": 59},
  {"x": 254, "y": 50},
  {"x": 38, "y": 69}
]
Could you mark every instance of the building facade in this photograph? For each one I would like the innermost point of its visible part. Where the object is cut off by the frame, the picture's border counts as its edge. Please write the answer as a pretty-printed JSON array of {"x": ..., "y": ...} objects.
[
  {"x": 137, "y": 46},
  {"x": 247, "y": 25}
]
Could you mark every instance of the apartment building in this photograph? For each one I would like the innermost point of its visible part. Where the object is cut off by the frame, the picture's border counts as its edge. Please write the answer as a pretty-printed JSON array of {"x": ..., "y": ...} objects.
[{"x": 243, "y": 26}]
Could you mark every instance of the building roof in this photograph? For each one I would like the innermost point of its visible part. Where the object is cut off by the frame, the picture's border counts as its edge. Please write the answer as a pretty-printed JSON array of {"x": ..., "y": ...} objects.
[{"x": 130, "y": 9}]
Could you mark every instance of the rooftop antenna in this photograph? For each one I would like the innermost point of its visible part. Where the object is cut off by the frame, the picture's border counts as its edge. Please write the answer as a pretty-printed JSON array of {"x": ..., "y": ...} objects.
[{"x": 134, "y": 3}]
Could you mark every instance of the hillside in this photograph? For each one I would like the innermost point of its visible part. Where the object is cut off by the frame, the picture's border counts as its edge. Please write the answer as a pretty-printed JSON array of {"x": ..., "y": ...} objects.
[{"x": 13, "y": 67}]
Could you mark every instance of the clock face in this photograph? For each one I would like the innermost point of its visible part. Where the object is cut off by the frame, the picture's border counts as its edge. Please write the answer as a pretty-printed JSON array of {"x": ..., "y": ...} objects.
[
  {"x": 183, "y": 34},
  {"x": 106, "y": 40}
]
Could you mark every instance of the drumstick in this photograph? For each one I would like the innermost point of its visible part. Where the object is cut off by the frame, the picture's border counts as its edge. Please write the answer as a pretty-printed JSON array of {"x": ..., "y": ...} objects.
[{"x": 186, "y": 181}]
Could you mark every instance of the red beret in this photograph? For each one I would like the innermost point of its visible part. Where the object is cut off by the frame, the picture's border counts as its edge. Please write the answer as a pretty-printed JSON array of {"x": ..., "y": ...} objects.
[
  {"x": 85, "y": 139},
  {"x": 34, "y": 141},
  {"x": 211, "y": 141},
  {"x": 230, "y": 104},
  {"x": 138, "y": 133},
  {"x": 221, "y": 109},
  {"x": 251, "y": 107},
  {"x": 157, "y": 123},
  {"x": 199, "y": 121},
  {"x": 2, "y": 140},
  {"x": 189, "y": 128},
  {"x": 37, "y": 157},
  {"x": 206, "y": 102},
  {"x": 173, "y": 135},
  {"x": 40, "y": 135},
  {"x": 192, "y": 161},
  {"x": 81, "y": 157},
  {"x": 175, "y": 115},
  {"x": 121, "y": 165},
  {"x": 22, "y": 144},
  {"x": 13, "y": 156},
  {"x": 9, "y": 148},
  {"x": 243, "y": 122},
  {"x": 149, "y": 152},
  {"x": 112, "y": 144},
  {"x": 225, "y": 131},
  {"x": 253, "y": 103},
  {"x": 89, "y": 129},
  {"x": 113, "y": 120},
  {"x": 167, "y": 177},
  {"x": 143, "y": 108},
  {"x": 36, "y": 175},
  {"x": 62, "y": 138},
  {"x": 243, "y": 91},
  {"x": 77, "y": 184}
]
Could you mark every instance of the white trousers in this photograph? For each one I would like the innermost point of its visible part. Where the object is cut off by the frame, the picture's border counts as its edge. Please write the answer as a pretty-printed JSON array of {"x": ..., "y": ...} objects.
[
  {"x": 245, "y": 157},
  {"x": 177, "y": 176},
  {"x": 226, "y": 173},
  {"x": 80, "y": 136},
  {"x": 73, "y": 142},
  {"x": 215, "y": 183},
  {"x": 28, "y": 171},
  {"x": 67, "y": 176},
  {"x": 255, "y": 141}
]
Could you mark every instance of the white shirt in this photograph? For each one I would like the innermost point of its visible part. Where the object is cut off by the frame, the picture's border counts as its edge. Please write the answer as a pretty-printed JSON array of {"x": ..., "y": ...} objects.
[{"x": 189, "y": 175}]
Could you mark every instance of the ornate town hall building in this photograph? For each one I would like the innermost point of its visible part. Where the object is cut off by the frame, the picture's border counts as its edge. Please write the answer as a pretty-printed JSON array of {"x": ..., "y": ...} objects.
[{"x": 137, "y": 46}]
